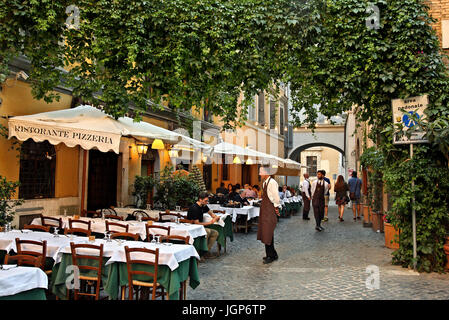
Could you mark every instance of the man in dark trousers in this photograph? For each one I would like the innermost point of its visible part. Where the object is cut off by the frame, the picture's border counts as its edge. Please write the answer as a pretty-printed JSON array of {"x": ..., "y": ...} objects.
[
  {"x": 319, "y": 189},
  {"x": 269, "y": 209},
  {"x": 306, "y": 197}
]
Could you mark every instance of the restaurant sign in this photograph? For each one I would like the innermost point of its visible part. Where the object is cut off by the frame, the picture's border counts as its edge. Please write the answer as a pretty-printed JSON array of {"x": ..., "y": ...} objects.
[
  {"x": 402, "y": 111},
  {"x": 103, "y": 141}
]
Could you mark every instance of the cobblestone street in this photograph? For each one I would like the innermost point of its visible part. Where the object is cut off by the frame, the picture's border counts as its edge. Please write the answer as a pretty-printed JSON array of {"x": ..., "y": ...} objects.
[{"x": 313, "y": 265}]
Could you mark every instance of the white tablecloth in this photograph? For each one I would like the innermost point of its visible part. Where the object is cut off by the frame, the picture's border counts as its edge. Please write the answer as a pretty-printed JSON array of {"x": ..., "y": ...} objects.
[
  {"x": 169, "y": 254},
  {"x": 136, "y": 227},
  {"x": 8, "y": 241},
  {"x": 249, "y": 211},
  {"x": 20, "y": 279}
]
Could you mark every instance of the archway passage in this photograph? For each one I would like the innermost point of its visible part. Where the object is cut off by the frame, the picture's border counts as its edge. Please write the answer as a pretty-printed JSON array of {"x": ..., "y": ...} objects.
[{"x": 296, "y": 154}]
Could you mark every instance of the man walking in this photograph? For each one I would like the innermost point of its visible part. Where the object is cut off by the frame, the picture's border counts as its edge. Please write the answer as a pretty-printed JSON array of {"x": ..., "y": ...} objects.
[
  {"x": 355, "y": 194},
  {"x": 269, "y": 209},
  {"x": 319, "y": 189},
  {"x": 306, "y": 196},
  {"x": 326, "y": 197}
]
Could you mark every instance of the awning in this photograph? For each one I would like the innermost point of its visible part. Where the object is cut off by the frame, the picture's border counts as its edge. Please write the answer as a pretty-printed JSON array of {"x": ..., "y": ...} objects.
[
  {"x": 281, "y": 166},
  {"x": 89, "y": 128}
]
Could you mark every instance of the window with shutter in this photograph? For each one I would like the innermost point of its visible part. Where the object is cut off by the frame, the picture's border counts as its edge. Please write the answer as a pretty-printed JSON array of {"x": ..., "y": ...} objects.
[
  {"x": 272, "y": 114},
  {"x": 261, "y": 108}
]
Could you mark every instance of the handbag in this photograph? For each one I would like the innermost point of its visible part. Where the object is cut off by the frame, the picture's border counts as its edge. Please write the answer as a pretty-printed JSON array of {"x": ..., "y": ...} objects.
[{"x": 352, "y": 194}]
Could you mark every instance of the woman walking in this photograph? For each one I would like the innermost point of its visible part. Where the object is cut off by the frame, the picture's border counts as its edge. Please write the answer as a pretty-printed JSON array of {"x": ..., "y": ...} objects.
[{"x": 341, "y": 196}]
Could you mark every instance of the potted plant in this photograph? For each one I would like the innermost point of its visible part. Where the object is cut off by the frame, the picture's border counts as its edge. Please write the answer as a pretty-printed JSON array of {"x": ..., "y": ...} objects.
[
  {"x": 142, "y": 186},
  {"x": 7, "y": 204},
  {"x": 446, "y": 251},
  {"x": 391, "y": 234}
]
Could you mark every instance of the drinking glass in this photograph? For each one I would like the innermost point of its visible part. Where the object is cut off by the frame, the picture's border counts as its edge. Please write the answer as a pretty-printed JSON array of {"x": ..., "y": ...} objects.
[
  {"x": 178, "y": 208},
  {"x": 55, "y": 232}
]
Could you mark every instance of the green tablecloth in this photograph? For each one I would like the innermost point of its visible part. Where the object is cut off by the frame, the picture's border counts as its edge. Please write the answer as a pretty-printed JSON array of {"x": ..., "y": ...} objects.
[
  {"x": 33, "y": 294},
  {"x": 223, "y": 232},
  {"x": 115, "y": 275},
  {"x": 200, "y": 244}
]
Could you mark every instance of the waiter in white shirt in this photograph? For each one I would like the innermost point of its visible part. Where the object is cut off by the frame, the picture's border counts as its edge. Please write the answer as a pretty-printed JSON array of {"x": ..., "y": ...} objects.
[
  {"x": 269, "y": 208},
  {"x": 306, "y": 197},
  {"x": 319, "y": 189}
]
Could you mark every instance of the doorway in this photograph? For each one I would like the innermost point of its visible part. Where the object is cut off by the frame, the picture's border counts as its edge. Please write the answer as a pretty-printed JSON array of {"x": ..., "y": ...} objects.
[
  {"x": 102, "y": 181},
  {"x": 246, "y": 174}
]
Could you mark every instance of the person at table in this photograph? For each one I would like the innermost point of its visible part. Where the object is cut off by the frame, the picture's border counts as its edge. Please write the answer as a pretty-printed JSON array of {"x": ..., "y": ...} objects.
[
  {"x": 233, "y": 194},
  {"x": 239, "y": 198},
  {"x": 222, "y": 190},
  {"x": 269, "y": 209},
  {"x": 196, "y": 212},
  {"x": 286, "y": 191},
  {"x": 281, "y": 193},
  {"x": 230, "y": 186},
  {"x": 248, "y": 192},
  {"x": 257, "y": 190}
]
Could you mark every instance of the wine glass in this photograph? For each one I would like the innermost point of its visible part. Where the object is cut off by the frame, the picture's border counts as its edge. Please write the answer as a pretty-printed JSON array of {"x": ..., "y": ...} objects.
[
  {"x": 153, "y": 239},
  {"x": 55, "y": 232}
]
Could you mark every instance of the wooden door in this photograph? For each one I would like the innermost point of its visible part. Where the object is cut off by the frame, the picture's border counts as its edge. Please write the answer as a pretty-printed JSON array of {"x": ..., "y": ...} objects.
[{"x": 102, "y": 180}]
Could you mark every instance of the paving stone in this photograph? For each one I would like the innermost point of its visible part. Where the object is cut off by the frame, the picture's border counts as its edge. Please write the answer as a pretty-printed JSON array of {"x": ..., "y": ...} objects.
[{"x": 313, "y": 265}]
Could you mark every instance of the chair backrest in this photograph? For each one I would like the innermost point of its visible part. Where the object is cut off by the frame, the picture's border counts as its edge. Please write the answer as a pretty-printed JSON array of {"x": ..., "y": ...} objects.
[
  {"x": 40, "y": 249},
  {"x": 125, "y": 236},
  {"x": 96, "y": 257},
  {"x": 82, "y": 222},
  {"x": 164, "y": 214},
  {"x": 141, "y": 213},
  {"x": 150, "y": 219},
  {"x": 78, "y": 231},
  {"x": 51, "y": 222},
  {"x": 24, "y": 260},
  {"x": 158, "y": 230},
  {"x": 109, "y": 211},
  {"x": 187, "y": 221},
  {"x": 125, "y": 227},
  {"x": 113, "y": 217},
  {"x": 90, "y": 214},
  {"x": 36, "y": 227},
  {"x": 146, "y": 261},
  {"x": 175, "y": 239}
]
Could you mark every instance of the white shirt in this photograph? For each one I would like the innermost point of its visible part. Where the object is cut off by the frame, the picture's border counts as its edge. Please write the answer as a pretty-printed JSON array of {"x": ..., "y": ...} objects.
[
  {"x": 305, "y": 187},
  {"x": 273, "y": 192},
  {"x": 326, "y": 186}
]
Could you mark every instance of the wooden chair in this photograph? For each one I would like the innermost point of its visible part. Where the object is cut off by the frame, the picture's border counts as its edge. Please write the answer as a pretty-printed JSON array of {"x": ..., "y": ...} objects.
[
  {"x": 51, "y": 222},
  {"x": 40, "y": 250},
  {"x": 125, "y": 236},
  {"x": 36, "y": 227},
  {"x": 89, "y": 279},
  {"x": 79, "y": 231},
  {"x": 142, "y": 213},
  {"x": 150, "y": 219},
  {"x": 165, "y": 214},
  {"x": 24, "y": 260},
  {"x": 113, "y": 217},
  {"x": 109, "y": 211},
  {"x": 90, "y": 214},
  {"x": 154, "y": 285},
  {"x": 176, "y": 239},
  {"x": 186, "y": 221},
  {"x": 158, "y": 232},
  {"x": 125, "y": 227}
]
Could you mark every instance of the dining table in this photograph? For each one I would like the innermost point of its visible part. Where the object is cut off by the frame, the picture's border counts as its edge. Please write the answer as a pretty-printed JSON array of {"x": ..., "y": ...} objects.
[
  {"x": 22, "y": 283},
  {"x": 177, "y": 262}
]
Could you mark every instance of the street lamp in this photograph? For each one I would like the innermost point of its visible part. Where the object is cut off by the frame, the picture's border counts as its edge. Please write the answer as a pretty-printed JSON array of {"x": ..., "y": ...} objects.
[
  {"x": 157, "y": 144},
  {"x": 142, "y": 148}
]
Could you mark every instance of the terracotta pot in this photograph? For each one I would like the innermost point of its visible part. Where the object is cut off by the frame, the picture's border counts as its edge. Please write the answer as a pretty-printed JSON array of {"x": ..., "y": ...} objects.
[
  {"x": 377, "y": 221},
  {"x": 391, "y": 236},
  {"x": 366, "y": 217},
  {"x": 446, "y": 251}
]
